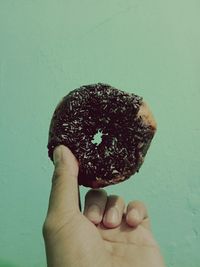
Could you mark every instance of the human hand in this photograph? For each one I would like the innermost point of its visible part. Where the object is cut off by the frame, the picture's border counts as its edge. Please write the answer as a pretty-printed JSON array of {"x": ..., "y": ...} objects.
[{"x": 110, "y": 236}]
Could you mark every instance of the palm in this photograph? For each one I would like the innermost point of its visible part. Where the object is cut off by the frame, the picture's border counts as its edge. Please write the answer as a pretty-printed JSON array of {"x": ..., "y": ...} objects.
[
  {"x": 125, "y": 244},
  {"x": 121, "y": 246}
]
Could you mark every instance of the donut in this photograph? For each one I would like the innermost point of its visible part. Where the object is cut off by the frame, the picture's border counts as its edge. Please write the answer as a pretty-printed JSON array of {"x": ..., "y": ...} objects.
[{"x": 108, "y": 130}]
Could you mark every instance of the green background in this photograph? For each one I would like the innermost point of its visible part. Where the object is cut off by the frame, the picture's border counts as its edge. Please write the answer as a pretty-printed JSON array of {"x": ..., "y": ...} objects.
[{"x": 48, "y": 48}]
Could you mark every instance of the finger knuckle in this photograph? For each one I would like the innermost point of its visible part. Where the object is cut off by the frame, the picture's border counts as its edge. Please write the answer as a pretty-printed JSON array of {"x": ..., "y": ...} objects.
[
  {"x": 58, "y": 172},
  {"x": 51, "y": 223},
  {"x": 48, "y": 227}
]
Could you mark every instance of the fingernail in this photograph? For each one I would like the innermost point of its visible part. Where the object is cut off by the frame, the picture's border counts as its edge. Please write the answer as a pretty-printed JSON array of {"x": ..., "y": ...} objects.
[
  {"x": 112, "y": 215},
  {"x": 134, "y": 214},
  {"x": 93, "y": 212},
  {"x": 57, "y": 155}
]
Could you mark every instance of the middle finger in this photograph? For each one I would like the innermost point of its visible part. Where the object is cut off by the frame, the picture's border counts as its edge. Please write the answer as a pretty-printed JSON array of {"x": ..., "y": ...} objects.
[{"x": 113, "y": 211}]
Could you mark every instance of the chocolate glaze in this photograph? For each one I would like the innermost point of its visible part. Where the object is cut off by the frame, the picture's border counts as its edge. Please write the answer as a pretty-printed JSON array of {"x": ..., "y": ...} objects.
[{"x": 125, "y": 136}]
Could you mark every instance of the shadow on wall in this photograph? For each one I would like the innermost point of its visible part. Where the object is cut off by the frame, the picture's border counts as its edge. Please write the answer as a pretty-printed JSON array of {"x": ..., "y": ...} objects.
[{"x": 4, "y": 263}]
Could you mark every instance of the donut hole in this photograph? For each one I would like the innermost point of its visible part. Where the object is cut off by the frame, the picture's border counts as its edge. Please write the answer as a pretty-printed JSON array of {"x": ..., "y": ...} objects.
[{"x": 97, "y": 138}]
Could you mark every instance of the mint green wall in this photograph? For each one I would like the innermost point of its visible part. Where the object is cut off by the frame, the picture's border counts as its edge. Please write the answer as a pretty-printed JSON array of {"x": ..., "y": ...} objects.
[{"x": 151, "y": 48}]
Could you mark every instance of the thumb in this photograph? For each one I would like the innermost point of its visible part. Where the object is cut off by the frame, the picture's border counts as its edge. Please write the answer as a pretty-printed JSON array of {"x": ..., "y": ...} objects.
[{"x": 64, "y": 197}]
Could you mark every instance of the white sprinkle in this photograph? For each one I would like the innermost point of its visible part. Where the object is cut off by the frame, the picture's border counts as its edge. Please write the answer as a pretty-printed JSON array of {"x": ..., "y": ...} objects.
[{"x": 64, "y": 136}]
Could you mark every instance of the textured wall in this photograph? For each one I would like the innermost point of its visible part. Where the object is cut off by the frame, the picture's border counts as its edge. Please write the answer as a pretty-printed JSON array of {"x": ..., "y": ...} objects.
[{"x": 151, "y": 48}]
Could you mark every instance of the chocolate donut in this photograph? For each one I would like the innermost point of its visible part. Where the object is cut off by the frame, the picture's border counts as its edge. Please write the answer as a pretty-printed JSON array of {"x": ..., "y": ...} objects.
[{"x": 121, "y": 120}]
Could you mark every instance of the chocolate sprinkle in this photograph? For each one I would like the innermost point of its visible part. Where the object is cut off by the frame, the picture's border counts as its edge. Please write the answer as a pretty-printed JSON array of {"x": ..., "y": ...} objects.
[{"x": 125, "y": 138}]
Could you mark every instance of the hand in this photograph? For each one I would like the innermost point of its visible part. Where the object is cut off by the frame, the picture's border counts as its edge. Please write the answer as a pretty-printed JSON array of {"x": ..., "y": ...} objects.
[{"x": 104, "y": 235}]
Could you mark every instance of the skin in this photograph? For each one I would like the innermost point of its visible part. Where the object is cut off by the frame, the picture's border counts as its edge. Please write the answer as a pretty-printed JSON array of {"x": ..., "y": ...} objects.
[{"x": 108, "y": 234}]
